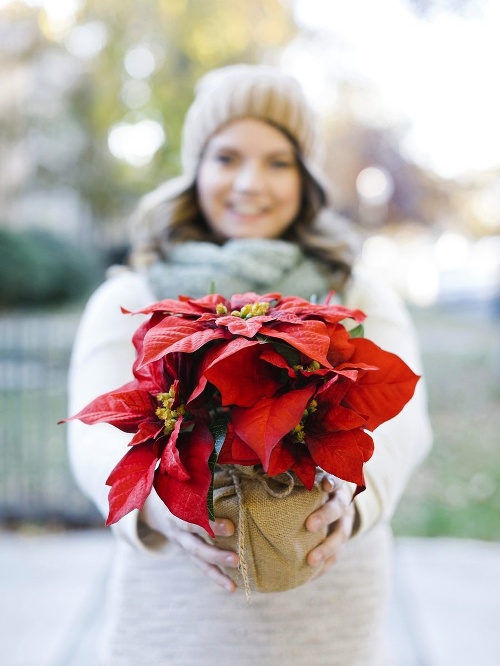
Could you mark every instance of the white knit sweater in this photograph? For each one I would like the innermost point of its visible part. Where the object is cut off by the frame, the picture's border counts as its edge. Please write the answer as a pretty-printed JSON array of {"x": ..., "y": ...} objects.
[{"x": 161, "y": 609}]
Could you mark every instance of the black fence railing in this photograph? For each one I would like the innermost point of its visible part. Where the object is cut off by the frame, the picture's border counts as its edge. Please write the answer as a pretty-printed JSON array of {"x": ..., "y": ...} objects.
[{"x": 35, "y": 480}]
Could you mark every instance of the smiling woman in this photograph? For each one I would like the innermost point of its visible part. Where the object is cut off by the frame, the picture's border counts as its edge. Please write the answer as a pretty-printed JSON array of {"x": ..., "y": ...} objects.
[{"x": 252, "y": 214}]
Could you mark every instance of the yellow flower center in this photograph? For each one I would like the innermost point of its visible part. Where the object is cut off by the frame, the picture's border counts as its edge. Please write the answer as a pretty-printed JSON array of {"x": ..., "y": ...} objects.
[
  {"x": 298, "y": 433},
  {"x": 165, "y": 412},
  {"x": 312, "y": 367},
  {"x": 257, "y": 309}
]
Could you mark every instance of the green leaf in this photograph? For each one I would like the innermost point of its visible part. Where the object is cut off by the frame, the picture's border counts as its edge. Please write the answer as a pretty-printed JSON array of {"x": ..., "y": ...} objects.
[
  {"x": 218, "y": 428},
  {"x": 210, "y": 496},
  {"x": 211, "y": 289},
  {"x": 357, "y": 332}
]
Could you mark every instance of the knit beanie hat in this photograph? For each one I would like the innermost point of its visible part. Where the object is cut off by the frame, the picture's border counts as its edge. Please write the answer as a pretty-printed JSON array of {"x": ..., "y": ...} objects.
[{"x": 239, "y": 91}]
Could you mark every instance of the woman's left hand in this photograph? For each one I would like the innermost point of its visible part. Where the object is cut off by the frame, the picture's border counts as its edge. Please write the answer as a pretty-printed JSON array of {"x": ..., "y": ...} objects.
[{"x": 337, "y": 514}]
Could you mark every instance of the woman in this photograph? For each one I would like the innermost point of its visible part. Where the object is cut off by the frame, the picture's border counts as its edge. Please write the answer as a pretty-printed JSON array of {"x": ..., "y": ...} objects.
[{"x": 249, "y": 213}]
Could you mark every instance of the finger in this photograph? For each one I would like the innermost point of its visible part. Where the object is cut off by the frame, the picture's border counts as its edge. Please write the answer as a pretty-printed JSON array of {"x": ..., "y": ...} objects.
[
  {"x": 329, "y": 513},
  {"x": 198, "y": 548},
  {"x": 215, "y": 574},
  {"x": 222, "y": 527},
  {"x": 320, "y": 570},
  {"x": 330, "y": 482},
  {"x": 327, "y": 552}
]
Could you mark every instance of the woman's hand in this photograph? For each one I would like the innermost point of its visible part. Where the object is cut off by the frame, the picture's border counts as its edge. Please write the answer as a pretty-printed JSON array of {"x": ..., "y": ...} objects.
[
  {"x": 337, "y": 514},
  {"x": 206, "y": 556}
]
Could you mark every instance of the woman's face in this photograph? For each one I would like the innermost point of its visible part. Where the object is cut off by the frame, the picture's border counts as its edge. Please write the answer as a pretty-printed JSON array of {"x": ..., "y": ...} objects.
[{"x": 249, "y": 183}]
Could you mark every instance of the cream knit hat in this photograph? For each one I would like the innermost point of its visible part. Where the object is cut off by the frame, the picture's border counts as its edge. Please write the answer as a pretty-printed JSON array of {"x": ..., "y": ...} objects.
[{"x": 239, "y": 91}]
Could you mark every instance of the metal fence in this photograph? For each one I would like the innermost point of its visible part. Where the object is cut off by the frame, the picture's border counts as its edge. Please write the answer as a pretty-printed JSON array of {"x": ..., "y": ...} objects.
[{"x": 35, "y": 480}]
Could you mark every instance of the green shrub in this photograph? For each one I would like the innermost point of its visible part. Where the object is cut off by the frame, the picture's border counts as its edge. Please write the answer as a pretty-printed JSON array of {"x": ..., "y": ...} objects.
[{"x": 37, "y": 268}]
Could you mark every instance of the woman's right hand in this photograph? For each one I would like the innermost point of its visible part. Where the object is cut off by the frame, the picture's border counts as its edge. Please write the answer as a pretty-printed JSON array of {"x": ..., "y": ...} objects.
[{"x": 188, "y": 536}]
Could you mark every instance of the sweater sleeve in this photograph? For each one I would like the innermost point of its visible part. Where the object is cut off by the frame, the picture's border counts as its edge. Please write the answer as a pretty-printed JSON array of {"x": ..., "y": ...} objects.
[
  {"x": 102, "y": 359},
  {"x": 403, "y": 442}
]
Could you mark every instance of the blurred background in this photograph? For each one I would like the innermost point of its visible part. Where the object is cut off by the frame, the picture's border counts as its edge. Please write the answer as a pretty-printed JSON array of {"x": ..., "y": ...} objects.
[{"x": 92, "y": 99}]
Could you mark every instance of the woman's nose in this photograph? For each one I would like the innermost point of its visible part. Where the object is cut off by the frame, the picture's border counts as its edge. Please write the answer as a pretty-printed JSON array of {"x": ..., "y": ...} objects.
[{"x": 249, "y": 177}]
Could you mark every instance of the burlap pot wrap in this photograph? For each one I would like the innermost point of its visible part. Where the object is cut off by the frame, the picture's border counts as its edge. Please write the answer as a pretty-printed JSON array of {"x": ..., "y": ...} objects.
[{"x": 269, "y": 516}]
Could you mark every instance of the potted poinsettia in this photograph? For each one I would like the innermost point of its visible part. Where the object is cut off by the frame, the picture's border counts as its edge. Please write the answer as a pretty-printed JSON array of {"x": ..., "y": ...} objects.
[{"x": 230, "y": 396}]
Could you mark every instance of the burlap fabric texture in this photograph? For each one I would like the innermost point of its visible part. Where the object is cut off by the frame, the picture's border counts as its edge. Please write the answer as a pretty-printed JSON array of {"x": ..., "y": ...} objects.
[{"x": 270, "y": 537}]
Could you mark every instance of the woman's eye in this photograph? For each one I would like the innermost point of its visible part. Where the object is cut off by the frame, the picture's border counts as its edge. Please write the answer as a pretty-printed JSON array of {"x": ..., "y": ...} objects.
[
  {"x": 224, "y": 159},
  {"x": 281, "y": 164}
]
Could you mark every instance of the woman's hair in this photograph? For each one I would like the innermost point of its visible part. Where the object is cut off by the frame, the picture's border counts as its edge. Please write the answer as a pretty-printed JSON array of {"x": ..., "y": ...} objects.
[{"x": 171, "y": 214}]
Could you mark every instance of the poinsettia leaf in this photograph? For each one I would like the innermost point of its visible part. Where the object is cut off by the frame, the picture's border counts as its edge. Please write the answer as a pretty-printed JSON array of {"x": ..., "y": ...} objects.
[
  {"x": 260, "y": 379},
  {"x": 160, "y": 342},
  {"x": 235, "y": 451},
  {"x": 286, "y": 351},
  {"x": 340, "y": 347},
  {"x": 188, "y": 499},
  {"x": 197, "y": 340},
  {"x": 148, "y": 430},
  {"x": 380, "y": 394},
  {"x": 216, "y": 351},
  {"x": 342, "y": 453},
  {"x": 327, "y": 313},
  {"x": 168, "y": 306},
  {"x": 269, "y": 355},
  {"x": 247, "y": 327},
  {"x": 263, "y": 425},
  {"x": 310, "y": 338},
  {"x": 218, "y": 428},
  {"x": 222, "y": 351},
  {"x": 332, "y": 390},
  {"x": 212, "y": 461},
  {"x": 124, "y": 409},
  {"x": 341, "y": 418},
  {"x": 131, "y": 481},
  {"x": 170, "y": 462},
  {"x": 357, "y": 332},
  {"x": 286, "y": 456},
  {"x": 159, "y": 338},
  {"x": 207, "y": 303}
]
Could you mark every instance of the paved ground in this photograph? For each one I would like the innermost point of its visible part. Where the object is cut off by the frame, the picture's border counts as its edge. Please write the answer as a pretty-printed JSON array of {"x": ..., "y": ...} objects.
[{"x": 445, "y": 611}]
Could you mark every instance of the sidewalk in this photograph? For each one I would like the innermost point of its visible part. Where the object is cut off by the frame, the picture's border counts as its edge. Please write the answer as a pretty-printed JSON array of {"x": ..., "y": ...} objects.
[{"x": 445, "y": 610}]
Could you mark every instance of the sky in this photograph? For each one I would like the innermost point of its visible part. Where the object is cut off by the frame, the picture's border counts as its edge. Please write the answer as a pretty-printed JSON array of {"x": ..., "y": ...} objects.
[{"x": 438, "y": 74}]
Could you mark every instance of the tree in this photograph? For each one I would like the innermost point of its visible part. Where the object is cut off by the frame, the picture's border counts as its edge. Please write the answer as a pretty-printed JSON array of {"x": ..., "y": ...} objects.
[{"x": 123, "y": 65}]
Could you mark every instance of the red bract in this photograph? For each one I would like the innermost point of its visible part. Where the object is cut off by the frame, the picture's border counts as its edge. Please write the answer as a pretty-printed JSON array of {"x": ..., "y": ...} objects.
[
  {"x": 188, "y": 325},
  {"x": 251, "y": 380},
  {"x": 382, "y": 393},
  {"x": 152, "y": 406}
]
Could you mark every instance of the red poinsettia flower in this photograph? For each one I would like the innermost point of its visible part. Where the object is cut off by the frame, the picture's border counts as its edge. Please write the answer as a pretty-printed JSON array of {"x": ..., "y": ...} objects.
[
  {"x": 170, "y": 447},
  {"x": 328, "y": 435},
  {"x": 189, "y": 324},
  {"x": 318, "y": 417},
  {"x": 254, "y": 380}
]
